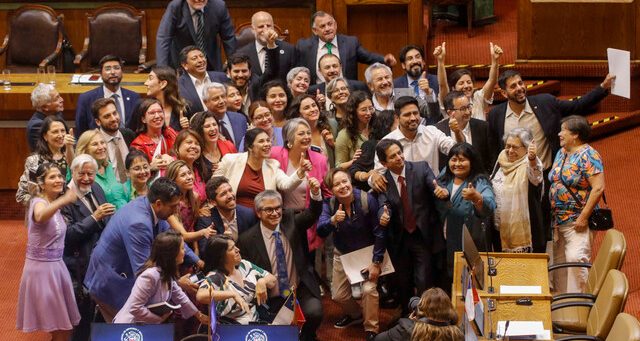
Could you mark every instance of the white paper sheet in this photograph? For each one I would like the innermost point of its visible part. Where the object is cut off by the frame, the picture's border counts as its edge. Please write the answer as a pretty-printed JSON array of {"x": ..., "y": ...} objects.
[
  {"x": 524, "y": 328},
  {"x": 354, "y": 262},
  {"x": 521, "y": 289},
  {"x": 620, "y": 66}
]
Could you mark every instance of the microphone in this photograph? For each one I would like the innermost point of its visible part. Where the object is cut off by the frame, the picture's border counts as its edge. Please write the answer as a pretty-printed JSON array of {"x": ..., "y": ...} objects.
[{"x": 491, "y": 270}]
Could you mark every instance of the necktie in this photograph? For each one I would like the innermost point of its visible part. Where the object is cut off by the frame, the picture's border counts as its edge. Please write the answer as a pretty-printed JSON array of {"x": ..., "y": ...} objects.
[
  {"x": 119, "y": 109},
  {"x": 409, "y": 219},
  {"x": 283, "y": 277},
  {"x": 225, "y": 131},
  {"x": 89, "y": 200},
  {"x": 416, "y": 89},
  {"x": 122, "y": 172},
  {"x": 265, "y": 60},
  {"x": 329, "y": 46},
  {"x": 200, "y": 31}
]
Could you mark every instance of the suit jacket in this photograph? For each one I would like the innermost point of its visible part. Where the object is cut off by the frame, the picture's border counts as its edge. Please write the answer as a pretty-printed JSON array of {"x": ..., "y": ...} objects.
[
  {"x": 128, "y": 135},
  {"x": 176, "y": 31},
  {"x": 286, "y": 57},
  {"x": 84, "y": 117},
  {"x": 353, "y": 86},
  {"x": 402, "y": 82},
  {"x": 349, "y": 48},
  {"x": 419, "y": 179},
  {"x": 82, "y": 234},
  {"x": 245, "y": 217},
  {"x": 294, "y": 228},
  {"x": 238, "y": 125},
  {"x": 188, "y": 90},
  {"x": 124, "y": 246},
  {"x": 479, "y": 137},
  {"x": 34, "y": 125},
  {"x": 549, "y": 110}
]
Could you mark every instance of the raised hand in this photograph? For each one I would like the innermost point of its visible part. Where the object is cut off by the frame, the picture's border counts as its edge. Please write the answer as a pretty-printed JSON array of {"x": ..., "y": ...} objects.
[
  {"x": 454, "y": 125},
  {"x": 423, "y": 83},
  {"x": 608, "y": 81},
  {"x": 314, "y": 185},
  {"x": 385, "y": 217},
  {"x": 471, "y": 194},
  {"x": 69, "y": 139},
  {"x": 104, "y": 210},
  {"x": 320, "y": 98},
  {"x": 390, "y": 59},
  {"x": 495, "y": 52},
  {"x": 440, "y": 51},
  {"x": 339, "y": 216},
  {"x": 531, "y": 151},
  {"x": 327, "y": 136},
  {"x": 271, "y": 36},
  {"x": 440, "y": 192}
]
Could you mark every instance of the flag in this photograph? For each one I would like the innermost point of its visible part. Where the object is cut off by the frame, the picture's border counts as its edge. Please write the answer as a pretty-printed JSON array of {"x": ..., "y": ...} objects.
[
  {"x": 290, "y": 313},
  {"x": 469, "y": 305},
  {"x": 477, "y": 302},
  {"x": 298, "y": 316},
  {"x": 213, "y": 317}
]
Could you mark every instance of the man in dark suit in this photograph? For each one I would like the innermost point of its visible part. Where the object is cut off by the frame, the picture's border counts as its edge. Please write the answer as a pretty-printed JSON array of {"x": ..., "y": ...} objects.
[
  {"x": 415, "y": 232},
  {"x": 326, "y": 41},
  {"x": 262, "y": 26},
  {"x": 278, "y": 244},
  {"x": 195, "y": 22},
  {"x": 413, "y": 63},
  {"x": 233, "y": 125},
  {"x": 46, "y": 100},
  {"x": 194, "y": 77},
  {"x": 126, "y": 100},
  {"x": 476, "y": 132},
  {"x": 330, "y": 68},
  {"x": 86, "y": 218},
  {"x": 226, "y": 216}
]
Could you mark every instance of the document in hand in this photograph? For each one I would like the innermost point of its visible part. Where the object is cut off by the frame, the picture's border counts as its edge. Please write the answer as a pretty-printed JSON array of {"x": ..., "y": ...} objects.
[
  {"x": 163, "y": 308},
  {"x": 354, "y": 262}
]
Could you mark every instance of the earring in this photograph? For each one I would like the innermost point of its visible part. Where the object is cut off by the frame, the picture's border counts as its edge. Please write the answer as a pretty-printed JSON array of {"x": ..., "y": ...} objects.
[{"x": 290, "y": 145}]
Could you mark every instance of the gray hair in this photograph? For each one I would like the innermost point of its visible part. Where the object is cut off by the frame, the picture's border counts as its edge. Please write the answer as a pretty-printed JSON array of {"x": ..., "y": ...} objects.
[
  {"x": 264, "y": 195},
  {"x": 371, "y": 68},
  {"x": 523, "y": 134},
  {"x": 41, "y": 95},
  {"x": 295, "y": 71},
  {"x": 212, "y": 85},
  {"x": 82, "y": 159},
  {"x": 289, "y": 130},
  {"x": 331, "y": 86}
]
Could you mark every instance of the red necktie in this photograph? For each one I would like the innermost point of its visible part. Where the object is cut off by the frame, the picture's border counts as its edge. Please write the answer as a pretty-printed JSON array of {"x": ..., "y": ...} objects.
[{"x": 409, "y": 219}]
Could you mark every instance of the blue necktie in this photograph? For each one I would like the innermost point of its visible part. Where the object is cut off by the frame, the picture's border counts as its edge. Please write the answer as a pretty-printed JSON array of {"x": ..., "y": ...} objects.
[
  {"x": 283, "y": 277},
  {"x": 416, "y": 89}
]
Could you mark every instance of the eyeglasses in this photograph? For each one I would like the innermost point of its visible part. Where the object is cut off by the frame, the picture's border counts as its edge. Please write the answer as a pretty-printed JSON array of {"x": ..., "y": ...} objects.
[
  {"x": 465, "y": 108},
  {"x": 114, "y": 68},
  {"x": 261, "y": 118},
  {"x": 510, "y": 146},
  {"x": 155, "y": 112},
  {"x": 271, "y": 210}
]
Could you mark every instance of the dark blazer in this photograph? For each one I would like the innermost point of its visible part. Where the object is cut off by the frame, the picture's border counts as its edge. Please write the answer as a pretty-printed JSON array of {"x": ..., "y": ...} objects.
[
  {"x": 238, "y": 125},
  {"x": 549, "y": 110},
  {"x": 286, "y": 56},
  {"x": 34, "y": 125},
  {"x": 176, "y": 31},
  {"x": 479, "y": 137},
  {"x": 128, "y": 135},
  {"x": 294, "y": 228},
  {"x": 419, "y": 179},
  {"x": 353, "y": 86},
  {"x": 400, "y": 332},
  {"x": 246, "y": 218},
  {"x": 82, "y": 234},
  {"x": 349, "y": 48},
  {"x": 84, "y": 117},
  {"x": 188, "y": 90},
  {"x": 402, "y": 82}
]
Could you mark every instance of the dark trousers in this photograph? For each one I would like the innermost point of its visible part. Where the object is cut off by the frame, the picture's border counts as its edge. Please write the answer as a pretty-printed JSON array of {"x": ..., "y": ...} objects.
[
  {"x": 311, "y": 308},
  {"x": 540, "y": 246},
  {"x": 413, "y": 267},
  {"x": 86, "y": 307}
]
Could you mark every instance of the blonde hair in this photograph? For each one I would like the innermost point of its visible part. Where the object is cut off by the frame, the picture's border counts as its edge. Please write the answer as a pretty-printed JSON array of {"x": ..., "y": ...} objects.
[
  {"x": 82, "y": 146},
  {"x": 436, "y": 318},
  {"x": 191, "y": 197}
]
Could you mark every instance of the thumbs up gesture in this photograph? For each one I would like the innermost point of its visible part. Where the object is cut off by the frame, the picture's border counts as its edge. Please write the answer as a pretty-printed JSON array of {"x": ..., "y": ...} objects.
[
  {"x": 495, "y": 51},
  {"x": 271, "y": 36},
  {"x": 339, "y": 216},
  {"x": 385, "y": 217},
  {"x": 305, "y": 166},
  {"x": 423, "y": 83},
  {"x": 531, "y": 151},
  {"x": 69, "y": 139},
  {"x": 320, "y": 98},
  {"x": 471, "y": 194},
  {"x": 314, "y": 185},
  {"x": 440, "y": 192},
  {"x": 440, "y": 51}
]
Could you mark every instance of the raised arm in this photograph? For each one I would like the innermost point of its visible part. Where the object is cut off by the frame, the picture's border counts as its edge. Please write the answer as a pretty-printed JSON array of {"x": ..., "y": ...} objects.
[
  {"x": 440, "y": 52},
  {"x": 496, "y": 52}
]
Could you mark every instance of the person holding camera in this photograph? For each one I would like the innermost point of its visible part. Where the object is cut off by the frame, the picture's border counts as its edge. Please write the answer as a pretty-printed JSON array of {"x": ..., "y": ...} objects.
[{"x": 356, "y": 221}]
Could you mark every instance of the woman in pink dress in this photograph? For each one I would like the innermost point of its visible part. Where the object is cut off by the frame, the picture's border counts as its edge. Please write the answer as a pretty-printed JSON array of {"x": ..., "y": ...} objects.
[{"x": 46, "y": 301}]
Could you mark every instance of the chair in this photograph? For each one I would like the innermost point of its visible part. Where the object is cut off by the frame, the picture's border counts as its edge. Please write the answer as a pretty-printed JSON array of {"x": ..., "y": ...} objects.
[
  {"x": 625, "y": 327},
  {"x": 610, "y": 256},
  {"x": 468, "y": 3},
  {"x": 610, "y": 302},
  {"x": 34, "y": 39},
  {"x": 244, "y": 34},
  {"x": 116, "y": 29}
]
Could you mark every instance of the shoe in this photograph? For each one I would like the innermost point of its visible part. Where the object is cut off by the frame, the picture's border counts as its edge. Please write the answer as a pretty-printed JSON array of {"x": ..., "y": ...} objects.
[
  {"x": 346, "y": 321},
  {"x": 370, "y": 336}
]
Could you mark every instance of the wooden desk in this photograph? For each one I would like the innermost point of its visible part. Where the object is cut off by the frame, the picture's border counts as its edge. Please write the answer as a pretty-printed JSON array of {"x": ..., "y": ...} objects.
[{"x": 513, "y": 269}]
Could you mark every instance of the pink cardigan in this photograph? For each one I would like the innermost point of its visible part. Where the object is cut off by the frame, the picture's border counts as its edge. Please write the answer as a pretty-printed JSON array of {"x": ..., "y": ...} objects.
[{"x": 319, "y": 170}]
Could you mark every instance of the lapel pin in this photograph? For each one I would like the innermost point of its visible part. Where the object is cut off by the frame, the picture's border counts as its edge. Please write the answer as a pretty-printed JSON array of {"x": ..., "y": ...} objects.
[
  {"x": 281, "y": 51},
  {"x": 127, "y": 98}
]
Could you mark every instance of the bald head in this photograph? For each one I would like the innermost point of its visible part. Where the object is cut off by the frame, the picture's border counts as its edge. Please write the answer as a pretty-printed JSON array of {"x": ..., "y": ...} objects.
[{"x": 261, "y": 23}]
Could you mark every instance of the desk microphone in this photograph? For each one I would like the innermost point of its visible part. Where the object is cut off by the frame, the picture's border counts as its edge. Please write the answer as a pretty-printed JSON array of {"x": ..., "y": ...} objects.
[{"x": 491, "y": 271}]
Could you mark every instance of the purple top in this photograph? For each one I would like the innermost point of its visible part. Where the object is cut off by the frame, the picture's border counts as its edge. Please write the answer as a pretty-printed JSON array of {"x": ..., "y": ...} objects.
[{"x": 45, "y": 239}]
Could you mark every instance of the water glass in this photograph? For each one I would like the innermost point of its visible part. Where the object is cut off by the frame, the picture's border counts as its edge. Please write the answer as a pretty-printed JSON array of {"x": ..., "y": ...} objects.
[
  {"x": 6, "y": 82},
  {"x": 51, "y": 74},
  {"x": 41, "y": 76}
]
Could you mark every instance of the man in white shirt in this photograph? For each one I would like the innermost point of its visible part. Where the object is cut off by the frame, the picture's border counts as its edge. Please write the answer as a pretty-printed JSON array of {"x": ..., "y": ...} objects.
[{"x": 195, "y": 77}]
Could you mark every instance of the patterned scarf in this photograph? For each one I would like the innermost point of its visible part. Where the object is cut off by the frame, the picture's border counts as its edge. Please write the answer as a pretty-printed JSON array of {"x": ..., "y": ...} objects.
[{"x": 515, "y": 227}]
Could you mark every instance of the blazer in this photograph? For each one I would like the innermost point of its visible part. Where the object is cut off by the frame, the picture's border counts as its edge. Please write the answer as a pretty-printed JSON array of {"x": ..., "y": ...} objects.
[
  {"x": 353, "y": 86},
  {"x": 293, "y": 227},
  {"x": 176, "y": 31},
  {"x": 82, "y": 234},
  {"x": 479, "y": 137},
  {"x": 84, "y": 117},
  {"x": 124, "y": 246},
  {"x": 271, "y": 71},
  {"x": 419, "y": 179},
  {"x": 349, "y": 48},
  {"x": 232, "y": 167},
  {"x": 286, "y": 57},
  {"x": 549, "y": 110},
  {"x": 34, "y": 125},
  {"x": 238, "y": 125},
  {"x": 128, "y": 136},
  {"x": 189, "y": 93},
  {"x": 245, "y": 217},
  {"x": 403, "y": 82}
]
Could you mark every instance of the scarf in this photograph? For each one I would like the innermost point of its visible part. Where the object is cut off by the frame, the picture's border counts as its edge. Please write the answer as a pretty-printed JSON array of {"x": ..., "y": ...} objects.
[{"x": 515, "y": 227}]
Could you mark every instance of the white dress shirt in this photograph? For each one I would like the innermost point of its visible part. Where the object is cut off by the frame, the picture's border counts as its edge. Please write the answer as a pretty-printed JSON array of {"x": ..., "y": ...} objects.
[
  {"x": 322, "y": 50},
  {"x": 111, "y": 150},
  {"x": 270, "y": 244},
  {"x": 262, "y": 54},
  {"x": 199, "y": 85}
]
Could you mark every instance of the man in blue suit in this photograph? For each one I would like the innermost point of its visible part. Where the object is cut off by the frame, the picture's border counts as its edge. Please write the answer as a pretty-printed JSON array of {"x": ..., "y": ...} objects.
[
  {"x": 194, "y": 77},
  {"x": 195, "y": 22},
  {"x": 413, "y": 63},
  {"x": 326, "y": 41},
  {"x": 125, "y": 245},
  {"x": 232, "y": 125},
  {"x": 111, "y": 72}
]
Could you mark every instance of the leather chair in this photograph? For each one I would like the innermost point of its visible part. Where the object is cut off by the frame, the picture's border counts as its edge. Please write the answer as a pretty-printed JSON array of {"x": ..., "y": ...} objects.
[
  {"x": 467, "y": 3},
  {"x": 625, "y": 327},
  {"x": 610, "y": 256},
  {"x": 610, "y": 302},
  {"x": 30, "y": 24},
  {"x": 244, "y": 34},
  {"x": 116, "y": 29}
]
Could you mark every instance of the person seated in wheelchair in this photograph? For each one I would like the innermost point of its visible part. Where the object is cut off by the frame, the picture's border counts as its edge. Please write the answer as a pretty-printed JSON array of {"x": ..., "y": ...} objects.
[{"x": 236, "y": 286}]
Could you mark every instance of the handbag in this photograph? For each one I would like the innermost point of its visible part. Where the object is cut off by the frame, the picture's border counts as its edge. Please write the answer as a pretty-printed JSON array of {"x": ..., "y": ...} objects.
[{"x": 601, "y": 218}]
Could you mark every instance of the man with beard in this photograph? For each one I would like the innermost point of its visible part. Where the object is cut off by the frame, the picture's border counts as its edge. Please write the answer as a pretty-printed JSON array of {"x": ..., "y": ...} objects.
[
  {"x": 118, "y": 138},
  {"x": 413, "y": 63},
  {"x": 379, "y": 79},
  {"x": 194, "y": 77},
  {"x": 232, "y": 125},
  {"x": 542, "y": 115},
  {"x": 125, "y": 100}
]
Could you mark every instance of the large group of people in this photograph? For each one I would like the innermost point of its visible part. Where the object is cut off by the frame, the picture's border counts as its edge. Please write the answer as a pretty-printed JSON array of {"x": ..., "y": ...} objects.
[{"x": 257, "y": 176}]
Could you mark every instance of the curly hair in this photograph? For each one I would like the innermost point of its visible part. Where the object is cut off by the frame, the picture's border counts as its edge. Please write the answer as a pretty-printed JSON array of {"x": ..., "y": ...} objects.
[
  {"x": 350, "y": 121},
  {"x": 294, "y": 111},
  {"x": 172, "y": 173}
]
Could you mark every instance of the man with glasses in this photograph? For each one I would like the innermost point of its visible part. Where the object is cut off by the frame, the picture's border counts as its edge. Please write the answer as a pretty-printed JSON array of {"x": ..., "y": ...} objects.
[
  {"x": 475, "y": 131},
  {"x": 125, "y": 100},
  {"x": 278, "y": 244}
]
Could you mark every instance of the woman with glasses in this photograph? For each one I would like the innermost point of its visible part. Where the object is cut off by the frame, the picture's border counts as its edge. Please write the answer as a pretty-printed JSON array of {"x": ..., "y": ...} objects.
[
  {"x": 162, "y": 84},
  {"x": 338, "y": 93},
  {"x": 360, "y": 112},
  {"x": 260, "y": 116},
  {"x": 138, "y": 173},
  {"x": 155, "y": 138}
]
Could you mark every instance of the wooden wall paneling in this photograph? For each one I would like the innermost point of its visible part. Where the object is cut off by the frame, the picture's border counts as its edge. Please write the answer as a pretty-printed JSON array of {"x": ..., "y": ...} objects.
[
  {"x": 16, "y": 140},
  {"x": 295, "y": 19}
]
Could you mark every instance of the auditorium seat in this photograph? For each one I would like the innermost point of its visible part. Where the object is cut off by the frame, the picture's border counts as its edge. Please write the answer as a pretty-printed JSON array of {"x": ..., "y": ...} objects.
[
  {"x": 625, "y": 327},
  {"x": 244, "y": 34}
]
